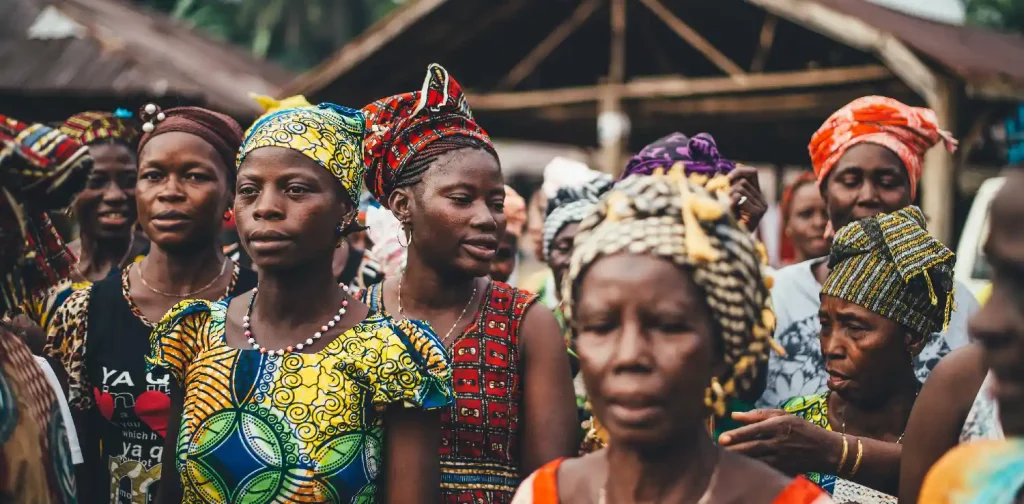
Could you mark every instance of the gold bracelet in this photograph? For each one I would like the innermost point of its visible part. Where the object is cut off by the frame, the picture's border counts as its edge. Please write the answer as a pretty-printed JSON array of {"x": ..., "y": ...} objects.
[
  {"x": 856, "y": 465},
  {"x": 842, "y": 460}
]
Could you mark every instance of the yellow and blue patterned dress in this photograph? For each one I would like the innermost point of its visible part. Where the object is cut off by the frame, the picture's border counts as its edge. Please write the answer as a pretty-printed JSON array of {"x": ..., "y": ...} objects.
[{"x": 293, "y": 428}]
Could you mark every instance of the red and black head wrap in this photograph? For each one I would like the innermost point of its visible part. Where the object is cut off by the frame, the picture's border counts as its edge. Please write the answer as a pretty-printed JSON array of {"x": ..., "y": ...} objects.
[
  {"x": 41, "y": 169},
  {"x": 218, "y": 130},
  {"x": 405, "y": 132}
]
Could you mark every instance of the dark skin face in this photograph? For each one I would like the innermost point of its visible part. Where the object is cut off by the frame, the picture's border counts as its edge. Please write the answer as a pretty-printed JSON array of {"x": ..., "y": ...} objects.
[
  {"x": 456, "y": 212},
  {"x": 646, "y": 349},
  {"x": 284, "y": 202},
  {"x": 561, "y": 252},
  {"x": 505, "y": 259},
  {"x": 999, "y": 326},
  {"x": 864, "y": 351},
  {"x": 106, "y": 207},
  {"x": 182, "y": 192},
  {"x": 868, "y": 180},
  {"x": 805, "y": 224}
]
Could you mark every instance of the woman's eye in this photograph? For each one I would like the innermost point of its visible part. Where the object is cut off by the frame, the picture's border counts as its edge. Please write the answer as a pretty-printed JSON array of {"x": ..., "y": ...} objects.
[
  {"x": 151, "y": 175},
  {"x": 461, "y": 199},
  {"x": 296, "y": 189},
  {"x": 246, "y": 190}
]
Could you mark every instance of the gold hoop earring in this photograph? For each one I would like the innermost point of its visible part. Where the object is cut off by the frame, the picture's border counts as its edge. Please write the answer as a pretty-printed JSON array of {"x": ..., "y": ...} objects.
[{"x": 408, "y": 236}]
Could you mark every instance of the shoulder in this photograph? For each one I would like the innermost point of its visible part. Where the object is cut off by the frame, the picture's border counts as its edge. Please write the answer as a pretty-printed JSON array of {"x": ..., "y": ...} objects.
[
  {"x": 193, "y": 318},
  {"x": 247, "y": 280},
  {"x": 410, "y": 363},
  {"x": 969, "y": 468},
  {"x": 958, "y": 376},
  {"x": 75, "y": 309},
  {"x": 768, "y": 482},
  {"x": 576, "y": 476}
]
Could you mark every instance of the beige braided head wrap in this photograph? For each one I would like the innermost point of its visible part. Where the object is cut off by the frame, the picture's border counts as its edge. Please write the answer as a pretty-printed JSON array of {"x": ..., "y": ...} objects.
[{"x": 687, "y": 221}]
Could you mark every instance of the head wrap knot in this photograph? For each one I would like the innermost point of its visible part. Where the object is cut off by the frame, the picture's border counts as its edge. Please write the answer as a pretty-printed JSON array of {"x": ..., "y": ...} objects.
[
  {"x": 678, "y": 219},
  {"x": 570, "y": 205},
  {"x": 329, "y": 134},
  {"x": 907, "y": 131},
  {"x": 890, "y": 265},
  {"x": 90, "y": 127},
  {"x": 400, "y": 127},
  {"x": 216, "y": 129},
  {"x": 698, "y": 155},
  {"x": 41, "y": 169}
]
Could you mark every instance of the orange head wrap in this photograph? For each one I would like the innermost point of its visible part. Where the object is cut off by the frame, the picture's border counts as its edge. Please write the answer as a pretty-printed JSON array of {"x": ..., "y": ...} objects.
[
  {"x": 515, "y": 212},
  {"x": 907, "y": 131}
]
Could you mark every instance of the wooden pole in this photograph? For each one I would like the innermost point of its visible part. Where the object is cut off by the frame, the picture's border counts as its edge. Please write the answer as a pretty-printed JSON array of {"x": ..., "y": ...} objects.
[
  {"x": 938, "y": 181},
  {"x": 611, "y": 118}
]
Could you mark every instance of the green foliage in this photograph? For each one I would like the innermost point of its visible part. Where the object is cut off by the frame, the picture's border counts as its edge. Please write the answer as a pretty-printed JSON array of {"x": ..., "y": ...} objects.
[
  {"x": 1003, "y": 14},
  {"x": 295, "y": 33}
]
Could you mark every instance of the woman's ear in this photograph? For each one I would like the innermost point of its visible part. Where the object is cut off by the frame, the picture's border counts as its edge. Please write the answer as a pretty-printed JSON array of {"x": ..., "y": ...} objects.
[
  {"x": 914, "y": 341},
  {"x": 400, "y": 202}
]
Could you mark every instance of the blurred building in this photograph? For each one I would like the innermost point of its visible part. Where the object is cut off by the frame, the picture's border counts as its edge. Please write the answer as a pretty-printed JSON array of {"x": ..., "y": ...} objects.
[{"x": 60, "y": 57}]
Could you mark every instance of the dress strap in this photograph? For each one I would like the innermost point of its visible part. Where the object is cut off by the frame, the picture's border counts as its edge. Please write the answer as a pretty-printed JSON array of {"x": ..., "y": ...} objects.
[{"x": 541, "y": 487}]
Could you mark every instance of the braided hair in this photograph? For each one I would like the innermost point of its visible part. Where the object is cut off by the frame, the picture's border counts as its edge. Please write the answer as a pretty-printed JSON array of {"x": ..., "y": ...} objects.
[
  {"x": 687, "y": 221},
  {"x": 424, "y": 158}
]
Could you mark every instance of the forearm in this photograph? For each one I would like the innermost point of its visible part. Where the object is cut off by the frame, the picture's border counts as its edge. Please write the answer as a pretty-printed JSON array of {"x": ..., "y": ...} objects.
[{"x": 879, "y": 466}]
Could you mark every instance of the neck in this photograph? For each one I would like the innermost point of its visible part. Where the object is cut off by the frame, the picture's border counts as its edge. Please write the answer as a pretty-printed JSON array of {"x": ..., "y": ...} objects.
[
  {"x": 285, "y": 295},
  {"x": 680, "y": 473},
  {"x": 883, "y": 418},
  {"x": 423, "y": 286},
  {"x": 182, "y": 271},
  {"x": 98, "y": 255}
]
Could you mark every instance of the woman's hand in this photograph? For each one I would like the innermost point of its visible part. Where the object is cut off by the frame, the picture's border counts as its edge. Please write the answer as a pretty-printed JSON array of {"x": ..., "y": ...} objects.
[
  {"x": 784, "y": 441},
  {"x": 744, "y": 187}
]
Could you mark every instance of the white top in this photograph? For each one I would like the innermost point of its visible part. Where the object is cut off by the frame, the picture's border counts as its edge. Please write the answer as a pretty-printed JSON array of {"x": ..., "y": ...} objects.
[
  {"x": 796, "y": 297},
  {"x": 983, "y": 419},
  {"x": 51, "y": 378}
]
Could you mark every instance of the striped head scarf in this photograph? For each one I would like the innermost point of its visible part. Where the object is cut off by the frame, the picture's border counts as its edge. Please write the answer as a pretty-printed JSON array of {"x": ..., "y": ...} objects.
[
  {"x": 420, "y": 125},
  {"x": 91, "y": 127},
  {"x": 329, "y": 134},
  {"x": 890, "y": 265},
  {"x": 907, "y": 131},
  {"x": 570, "y": 205},
  {"x": 698, "y": 155},
  {"x": 41, "y": 169},
  {"x": 686, "y": 220}
]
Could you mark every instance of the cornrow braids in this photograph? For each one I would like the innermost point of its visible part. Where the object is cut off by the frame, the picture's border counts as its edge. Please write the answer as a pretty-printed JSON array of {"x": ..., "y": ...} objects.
[
  {"x": 413, "y": 172},
  {"x": 687, "y": 221}
]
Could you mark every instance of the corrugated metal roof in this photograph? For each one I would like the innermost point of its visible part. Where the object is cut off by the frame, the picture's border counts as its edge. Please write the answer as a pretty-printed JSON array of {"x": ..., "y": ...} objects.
[
  {"x": 115, "y": 47},
  {"x": 978, "y": 55}
]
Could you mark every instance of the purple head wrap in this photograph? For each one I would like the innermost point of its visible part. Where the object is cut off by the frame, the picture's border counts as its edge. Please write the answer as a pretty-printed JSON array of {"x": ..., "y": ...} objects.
[{"x": 698, "y": 155}]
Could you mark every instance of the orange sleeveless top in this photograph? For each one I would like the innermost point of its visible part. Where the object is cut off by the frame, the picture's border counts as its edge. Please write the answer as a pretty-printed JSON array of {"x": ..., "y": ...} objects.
[{"x": 542, "y": 488}]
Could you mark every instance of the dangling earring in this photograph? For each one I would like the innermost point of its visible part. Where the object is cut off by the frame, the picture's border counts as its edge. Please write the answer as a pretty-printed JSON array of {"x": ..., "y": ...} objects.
[
  {"x": 339, "y": 232},
  {"x": 228, "y": 215},
  {"x": 407, "y": 233}
]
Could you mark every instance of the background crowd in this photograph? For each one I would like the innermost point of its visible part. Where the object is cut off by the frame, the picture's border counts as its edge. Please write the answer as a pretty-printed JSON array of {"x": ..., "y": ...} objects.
[{"x": 327, "y": 306}]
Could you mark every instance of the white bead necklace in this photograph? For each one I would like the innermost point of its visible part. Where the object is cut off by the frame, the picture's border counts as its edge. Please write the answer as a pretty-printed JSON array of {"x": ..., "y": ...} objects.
[{"x": 247, "y": 327}]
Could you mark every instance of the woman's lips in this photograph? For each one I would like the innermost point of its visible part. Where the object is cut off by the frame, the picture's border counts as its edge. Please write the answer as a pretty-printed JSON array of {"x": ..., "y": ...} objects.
[
  {"x": 482, "y": 253},
  {"x": 112, "y": 219}
]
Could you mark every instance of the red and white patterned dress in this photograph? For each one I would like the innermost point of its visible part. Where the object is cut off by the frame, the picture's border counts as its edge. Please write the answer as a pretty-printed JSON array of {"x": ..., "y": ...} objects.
[{"x": 480, "y": 433}]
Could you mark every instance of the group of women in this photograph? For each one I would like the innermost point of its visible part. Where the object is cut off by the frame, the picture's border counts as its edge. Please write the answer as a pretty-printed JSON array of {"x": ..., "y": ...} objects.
[{"x": 191, "y": 378}]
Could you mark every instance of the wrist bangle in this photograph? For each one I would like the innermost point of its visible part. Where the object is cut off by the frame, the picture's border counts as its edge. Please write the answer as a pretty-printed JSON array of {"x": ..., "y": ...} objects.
[
  {"x": 856, "y": 465},
  {"x": 842, "y": 460}
]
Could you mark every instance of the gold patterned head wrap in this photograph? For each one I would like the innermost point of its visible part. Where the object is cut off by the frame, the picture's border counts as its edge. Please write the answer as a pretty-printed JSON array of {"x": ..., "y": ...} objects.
[
  {"x": 890, "y": 265},
  {"x": 329, "y": 134},
  {"x": 681, "y": 219}
]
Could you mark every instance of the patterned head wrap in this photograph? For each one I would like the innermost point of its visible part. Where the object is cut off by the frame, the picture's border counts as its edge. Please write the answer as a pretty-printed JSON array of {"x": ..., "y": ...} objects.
[
  {"x": 91, "y": 127},
  {"x": 218, "y": 130},
  {"x": 698, "y": 155},
  {"x": 907, "y": 131},
  {"x": 40, "y": 169},
  {"x": 687, "y": 221},
  {"x": 571, "y": 204},
  {"x": 400, "y": 128},
  {"x": 890, "y": 265},
  {"x": 515, "y": 212},
  {"x": 329, "y": 134}
]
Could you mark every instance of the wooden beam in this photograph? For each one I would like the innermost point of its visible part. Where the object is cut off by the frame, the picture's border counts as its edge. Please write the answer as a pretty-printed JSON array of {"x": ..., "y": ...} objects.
[
  {"x": 858, "y": 34},
  {"x": 808, "y": 102},
  {"x": 362, "y": 47},
  {"x": 480, "y": 25},
  {"x": 613, "y": 137},
  {"x": 938, "y": 179},
  {"x": 551, "y": 42},
  {"x": 693, "y": 38},
  {"x": 682, "y": 87},
  {"x": 764, "y": 43}
]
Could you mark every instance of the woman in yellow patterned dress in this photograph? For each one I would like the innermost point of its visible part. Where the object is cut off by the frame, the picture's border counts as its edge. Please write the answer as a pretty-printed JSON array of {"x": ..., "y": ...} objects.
[{"x": 271, "y": 403}]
